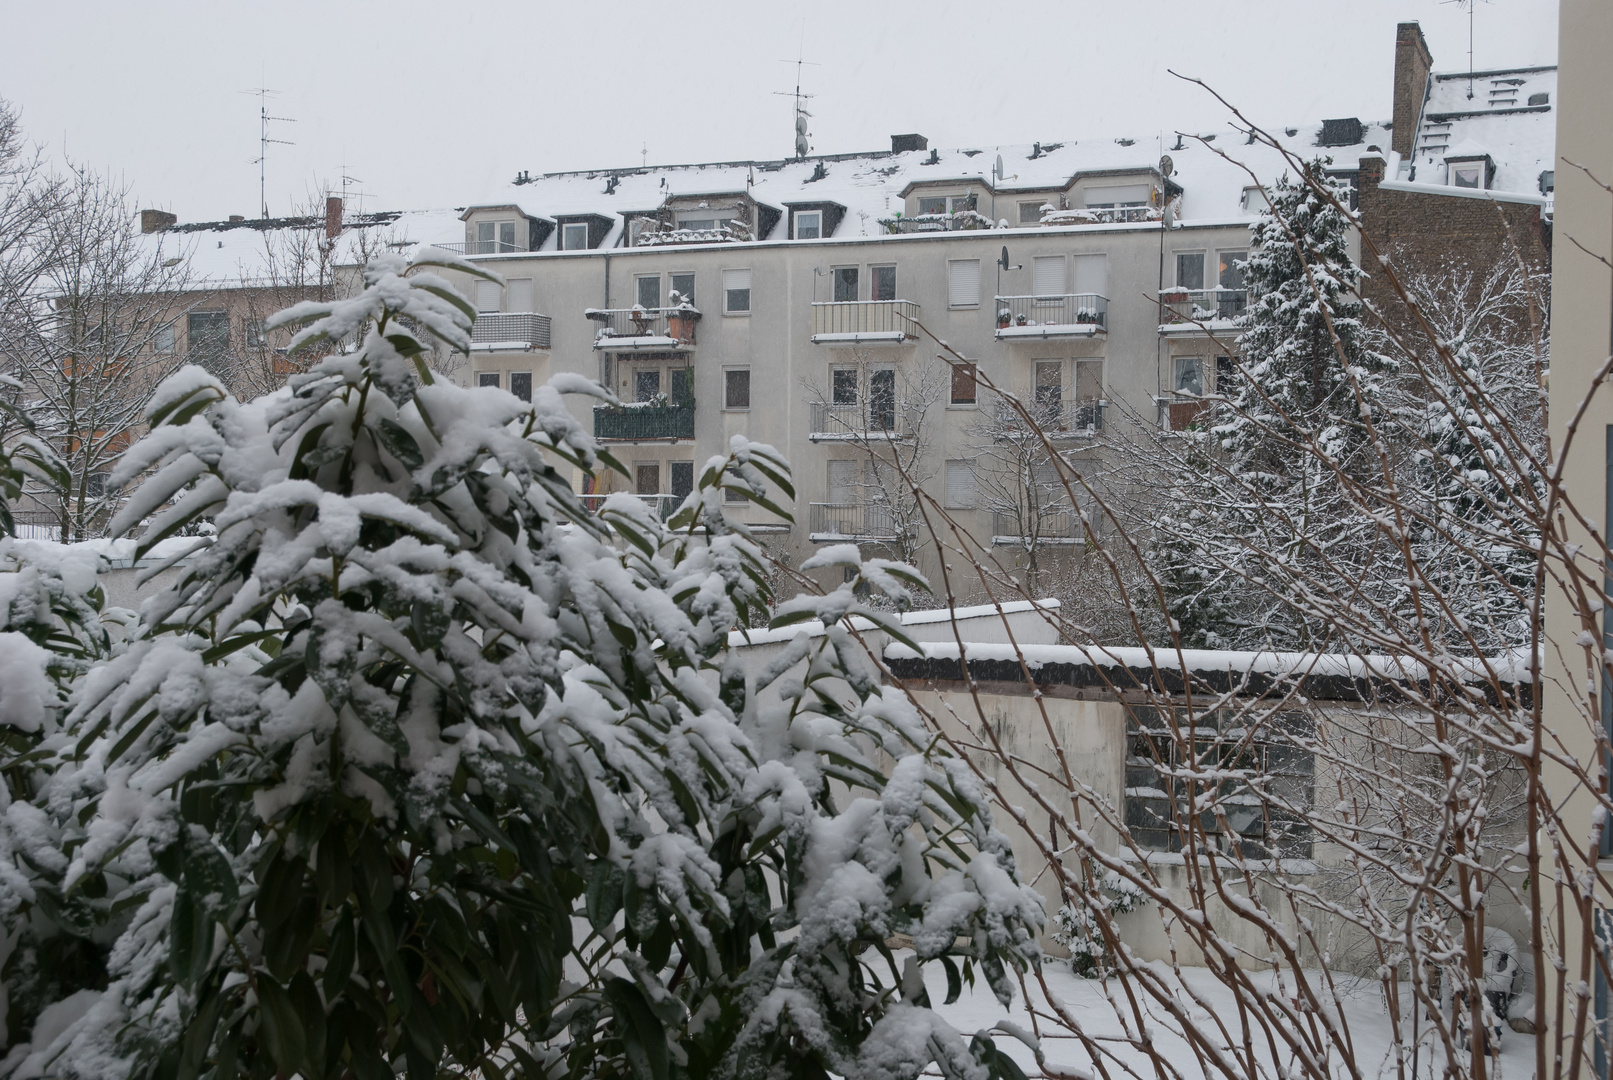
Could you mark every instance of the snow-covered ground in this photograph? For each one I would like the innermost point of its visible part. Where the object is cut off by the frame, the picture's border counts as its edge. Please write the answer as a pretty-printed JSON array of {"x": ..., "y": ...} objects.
[{"x": 1363, "y": 1008}]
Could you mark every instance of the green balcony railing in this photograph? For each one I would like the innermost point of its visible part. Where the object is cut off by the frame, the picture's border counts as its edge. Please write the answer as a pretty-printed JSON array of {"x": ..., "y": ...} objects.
[{"x": 644, "y": 423}]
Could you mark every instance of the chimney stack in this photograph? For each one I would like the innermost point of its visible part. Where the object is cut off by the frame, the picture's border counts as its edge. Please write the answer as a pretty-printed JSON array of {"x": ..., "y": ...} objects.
[
  {"x": 157, "y": 221},
  {"x": 236, "y": 219},
  {"x": 1413, "y": 63},
  {"x": 903, "y": 143},
  {"x": 333, "y": 216}
]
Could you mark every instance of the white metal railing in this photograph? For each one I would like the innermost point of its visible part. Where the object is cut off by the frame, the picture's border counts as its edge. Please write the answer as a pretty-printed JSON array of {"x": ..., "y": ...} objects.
[
  {"x": 1058, "y": 418},
  {"x": 851, "y": 521},
  {"x": 848, "y": 319},
  {"x": 1043, "y": 525},
  {"x": 1187, "y": 306},
  {"x": 1081, "y": 312},
  {"x": 878, "y": 417},
  {"x": 481, "y": 247}
]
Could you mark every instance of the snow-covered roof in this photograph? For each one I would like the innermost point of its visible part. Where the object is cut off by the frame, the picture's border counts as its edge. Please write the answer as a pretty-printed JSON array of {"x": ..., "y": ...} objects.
[
  {"x": 1510, "y": 116},
  {"x": 871, "y": 185}
]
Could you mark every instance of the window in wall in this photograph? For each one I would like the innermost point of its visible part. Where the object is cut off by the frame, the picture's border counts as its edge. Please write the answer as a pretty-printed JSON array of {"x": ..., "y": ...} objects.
[
  {"x": 647, "y": 477},
  {"x": 1190, "y": 270},
  {"x": 963, "y": 283},
  {"x": 965, "y": 387},
  {"x": 683, "y": 285},
  {"x": 646, "y": 384},
  {"x": 649, "y": 291},
  {"x": 1030, "y": 213},
  {"x": 845, "y": 283},
  {"x": 207, "y": 336},
  {"x": 253, "y": 334},
  {"x": 1254, "y": 200},
  {"x": 1225, "y": 374},
  {"x": 487, "y": 378},
  {"x": 736, "y": 292},
  {"x": 1468, "y": 174},
  {"x": 487, "y": 296},
  {"x": 1088, "y": 380},
  {"x": 1230, "y": 277},
  {"x": 681, "y": 390},
  {"x": 844, "y": 385},
  {"x": 808, "y": 224},
  {"x": 845, "y": 481},
  {"x": 1047, "y": 275},
  {"x": 697, "y": 224},
  {"x": 163, "y": 342},
  {"x": 1189, "y": 376},
  {"x": 574, "y": 236},
  {"x": 736, "y": 388},
  {"x": 1091, "y": 275},
  {"x": 1118, "y": 195},
  {"x": 882, "y": 399},
  {"x": 520, "y": 294},
  {"x": 884, "y": 282},
  {"x": 961, "y": 487},
  {"x": 933, "y": 204},
  {"x": 681, "y": 477},
  {"x": 494, "y": 236},
  {"x": 1049, "y": 390},
  {"x": 521, "y": 384}
]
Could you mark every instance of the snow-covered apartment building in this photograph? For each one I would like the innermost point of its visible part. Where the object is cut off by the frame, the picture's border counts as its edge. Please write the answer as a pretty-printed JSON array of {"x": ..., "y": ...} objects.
[{"x": 805, "y": 302}]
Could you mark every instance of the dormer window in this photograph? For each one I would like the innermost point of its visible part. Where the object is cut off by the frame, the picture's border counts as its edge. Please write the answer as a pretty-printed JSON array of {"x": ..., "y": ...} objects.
[
  {"x": 1468, "y": 174},
  {"x": 494, "y": 236},
  {"x": 809, "y": 224},
  {"x": 1101, "y": 198},
  {"x": 1254, "y": 200},
  {"x": 698, "y": 224},
  {"x": 574, "y": 236},
  {"x": 945, "y": 204}
]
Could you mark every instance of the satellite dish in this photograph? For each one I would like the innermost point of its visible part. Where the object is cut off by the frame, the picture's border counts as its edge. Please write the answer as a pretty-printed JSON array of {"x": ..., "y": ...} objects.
[
  {"x": 997, "y": 170},
  {"x": 1166, "y": 165},
  {"x": 1003, "y": 262}
]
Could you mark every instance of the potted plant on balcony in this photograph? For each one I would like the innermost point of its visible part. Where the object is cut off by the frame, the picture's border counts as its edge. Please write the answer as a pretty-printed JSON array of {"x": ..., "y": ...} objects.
[
  {"x": 1004, "y": 318},
  {"x": 681, "y": 318}
]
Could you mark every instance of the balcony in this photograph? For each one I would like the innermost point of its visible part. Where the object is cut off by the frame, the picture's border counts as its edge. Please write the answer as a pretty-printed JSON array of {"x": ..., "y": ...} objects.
[
  {"x": 879, "y": 418},
  {"x": 511, "y": 330},
  {"x": 1047, "y": 525},
  {"x": 637, "y": 328},
  {"x": 1197, "y": 311},
  {"x": 1183, "y": 413},
  {"x": 850, "y": 522},
  {"x": 1056, "y": 419},
  {"x": 863, "y": 322},
  {"x": 663, "y": 506},
  {"x": 481, "y": 247},
  {"x": 644, "y": 423},
  {"x": 1103, "y": 215},
  {"x": 961, "y": 221},
  {"x": 1067, "y": 316}
]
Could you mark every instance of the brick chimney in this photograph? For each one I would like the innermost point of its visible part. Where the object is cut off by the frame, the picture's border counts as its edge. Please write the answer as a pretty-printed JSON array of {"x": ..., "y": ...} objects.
[
  {"x": 157, "y": 221},
  {"x": 903, "y": 143},
  {"x": 333, "y": 216},
  {"x": 1413, "y": 62}
]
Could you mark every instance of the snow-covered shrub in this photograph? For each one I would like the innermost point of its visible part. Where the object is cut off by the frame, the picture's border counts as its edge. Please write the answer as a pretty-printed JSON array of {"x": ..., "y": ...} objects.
[
  {"x": 1078, "y": 925},
  {"x": 421, "y": 766}
]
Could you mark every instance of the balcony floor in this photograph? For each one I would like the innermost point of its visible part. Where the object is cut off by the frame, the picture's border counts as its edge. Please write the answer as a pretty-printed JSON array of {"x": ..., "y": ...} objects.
[
  {"x": 863, "y": 337},
  {"x": 1059, "y": 330}
]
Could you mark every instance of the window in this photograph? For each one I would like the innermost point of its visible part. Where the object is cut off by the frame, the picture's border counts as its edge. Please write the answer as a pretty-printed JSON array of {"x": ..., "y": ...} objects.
[
  {"x": 882, "y": 400},
  {"x": 1122, "y": 195},
  {"x": 1091, "y": 275},
  {"x": 884, "y": 283},
  {"x": 1225, "y": 373},
  {"x": 844, "y": 385},
  {"x": 646, "y": 384},
  {"x": 1049, "y": 391},
  {"x": 253, "y": 333},
  {"x": 164, "y": 340},
  {"x": 845, "y": 283},
  {"x": 961, "y": 486},
  {"x": 647, "y": 477},
  {"x": 682, "y": 288},
  {"x": 649, "y": 292},
  {"x": 494, "y": 236},
  {"x": 736, "y": 388},
  {"x": 809, "y": 224},
  {"x": 1469, "y": 174},
  {"x": 1088, "y": 380},
  {"x": 736, "y": 292},
  {"x": 574, "y": 236},
  {"x": 207, "y": 335},
  {"x": 1254, "y": 200},
  {"x": 845, "y": 478},
  {"x": 487, "y": 378},
  {"x": 963, "y": 283},
  {"x": 704, "y": 224},
  {"x": 682, "y": 380},
  {"x": 1030, "y": 213},
  {"x": 1047, "y": 275},
  {"x": 965, "y": 387},
  {"x": 682, "y": 477},
  {"x": 1190, "y": 270},
  {"x": 933, "y": 205},
  {"x": 1231, "y": 269},
  {"x": 487, "y": 296},
  {"x": 521, "y": 384},
  {"x": 1189, "y": 376},
  {"x": 520, "y": 294}
]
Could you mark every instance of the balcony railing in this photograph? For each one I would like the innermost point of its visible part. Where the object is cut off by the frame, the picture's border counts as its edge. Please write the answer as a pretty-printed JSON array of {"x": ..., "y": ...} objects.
[
  {"x": 878, "y": 418},
  {"x": 644, "y": 423},
  {"x": 1103, "y": 215},
  {"x": 1047, "y": 525},
  {"x": 481, "y": 247},
  {"x": 961, "y": 221},
  {"x": 1069, "y": 315},
  {"x": 1183, "y": 413},
  {"x": 1185, "y": 308},
  {"x": 518, "y": 329},
  {"x": 835, "y": 522},
  {"x": 1058, "y": 419},
  {"x": 869, "y": 322},
  {"x": 644, "y": 328},
  {"x": 664, "y": 506}
]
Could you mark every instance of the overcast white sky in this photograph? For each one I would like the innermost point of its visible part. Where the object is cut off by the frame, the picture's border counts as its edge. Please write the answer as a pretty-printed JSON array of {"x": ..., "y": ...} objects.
[{"x": 427, "y": 103}]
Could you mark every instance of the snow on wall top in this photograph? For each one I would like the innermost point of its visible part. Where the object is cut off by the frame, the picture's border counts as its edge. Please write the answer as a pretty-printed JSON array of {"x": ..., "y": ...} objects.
[{"x": 1511, "y": 117}]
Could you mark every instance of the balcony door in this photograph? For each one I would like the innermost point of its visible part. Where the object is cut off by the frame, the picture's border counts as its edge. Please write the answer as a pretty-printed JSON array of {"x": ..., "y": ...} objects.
[
  {"x": 882, "y": 399},
  {"x": 845, "y": 482},
  {"x": 845, "y": 284}
]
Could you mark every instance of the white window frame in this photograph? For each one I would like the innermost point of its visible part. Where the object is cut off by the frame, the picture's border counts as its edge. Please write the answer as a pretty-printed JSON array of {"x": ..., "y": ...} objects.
[
  {"x": 750, "y": 391},
  {"x": 1204, "y": 261},
  {"x": 966, "y": 305},
  {"x": 816, "y": 217},
  {"x": 566, "y": 227},
  {"x": 727, "y": 288},
  {"x": 1452, "y": 168},
  {"x": 486, "y": 289},
  {"x": 1037, "y": 205}
]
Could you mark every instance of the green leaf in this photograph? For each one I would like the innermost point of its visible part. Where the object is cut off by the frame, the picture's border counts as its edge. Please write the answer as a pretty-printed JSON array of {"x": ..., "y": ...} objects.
[
  {"x": 400, "y": 444},
  {"x": 343, "y": 948},
  {"x": 954, "y": 980},
  {"x": 642, "y": 1034},
  {"x": 604, "y": 896},
  {"x": 190, "y": 939},
  {"x": 279, "y": 891},
  {"x": 282, "y": 1030},
  {"x": 285, "y": 948},
  {"x": 209, "y": 877},
  {"x": 311, "y": 1015}
]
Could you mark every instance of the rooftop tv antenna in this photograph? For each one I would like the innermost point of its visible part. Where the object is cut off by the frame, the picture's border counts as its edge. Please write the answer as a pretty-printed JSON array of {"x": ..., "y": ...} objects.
[
  {"x": 1469, "y": 6},
  {"x": 264, "y": 94},
  {"x": 802, "y": 136}
]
